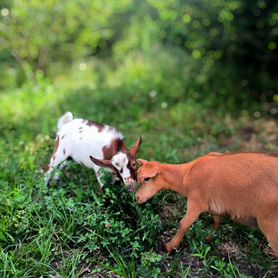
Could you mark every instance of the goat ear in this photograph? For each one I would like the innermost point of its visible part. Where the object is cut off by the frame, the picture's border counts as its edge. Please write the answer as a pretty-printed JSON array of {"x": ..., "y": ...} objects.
[
  {"x": 154, "y": 173},
  {"x": 102, "y": 162},
  {"x": 141, "y": 162},
  {"x": 134, "y": 150}
]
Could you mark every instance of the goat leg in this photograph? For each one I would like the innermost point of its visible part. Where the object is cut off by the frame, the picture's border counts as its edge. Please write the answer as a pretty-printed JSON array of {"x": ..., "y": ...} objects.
[
  {"x": 215, "y": 224},
  {"x": 192, "y": 214}
]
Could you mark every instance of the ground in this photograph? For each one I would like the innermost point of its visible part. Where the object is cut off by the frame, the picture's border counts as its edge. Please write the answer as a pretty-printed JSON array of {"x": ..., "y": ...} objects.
[{"x": 71, "y": 229}]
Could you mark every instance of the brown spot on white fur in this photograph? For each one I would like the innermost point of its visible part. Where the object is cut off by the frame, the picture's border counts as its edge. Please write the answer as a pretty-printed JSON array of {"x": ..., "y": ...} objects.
[
  {"x": 115, "y": 146},
  {"x": 100, "y": 127},
  {"x": 109, "y": 151},
  {"x": 118, "y": 145}
]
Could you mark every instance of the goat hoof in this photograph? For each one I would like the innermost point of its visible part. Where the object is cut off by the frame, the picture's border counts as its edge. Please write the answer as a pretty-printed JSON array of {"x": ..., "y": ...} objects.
[{"x": 170, "y": 248}]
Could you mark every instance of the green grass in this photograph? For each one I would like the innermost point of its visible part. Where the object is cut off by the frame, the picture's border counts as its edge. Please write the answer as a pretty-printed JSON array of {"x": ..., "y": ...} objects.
[{"x": 72, "y": 230}]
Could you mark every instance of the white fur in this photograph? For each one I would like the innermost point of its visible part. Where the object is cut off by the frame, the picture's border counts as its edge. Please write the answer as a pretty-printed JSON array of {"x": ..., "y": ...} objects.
[
  {"x": 67, "y": 117},
  {"x": 79, "y": 140},
  {"x": 120, "y": 162}
]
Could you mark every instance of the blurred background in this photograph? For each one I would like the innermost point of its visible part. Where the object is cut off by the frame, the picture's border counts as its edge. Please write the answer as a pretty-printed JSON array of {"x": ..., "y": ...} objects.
[{"x": 197, "y": 69}]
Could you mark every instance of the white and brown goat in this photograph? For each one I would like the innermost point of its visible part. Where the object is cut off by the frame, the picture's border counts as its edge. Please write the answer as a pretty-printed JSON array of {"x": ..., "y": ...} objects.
[{"x": 94, "y": 146}]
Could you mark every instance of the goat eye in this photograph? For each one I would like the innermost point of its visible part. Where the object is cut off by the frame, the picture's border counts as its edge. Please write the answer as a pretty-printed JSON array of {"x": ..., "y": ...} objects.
[
  {"x": 133, "y": 164},
  {"x": 147, "y": 179},
  {"x": 117, "y": 164}
]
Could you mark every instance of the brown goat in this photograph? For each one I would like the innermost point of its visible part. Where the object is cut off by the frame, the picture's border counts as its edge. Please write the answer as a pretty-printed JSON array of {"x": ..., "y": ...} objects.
[{"x": 243, "y": 186}]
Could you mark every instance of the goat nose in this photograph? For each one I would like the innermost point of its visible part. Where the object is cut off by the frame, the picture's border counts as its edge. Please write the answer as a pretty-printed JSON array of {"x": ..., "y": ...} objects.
[
  {"x": 129, "y": 181},
  {"x": 130, "y": 184},
  {"x": 139, "y": 200}
]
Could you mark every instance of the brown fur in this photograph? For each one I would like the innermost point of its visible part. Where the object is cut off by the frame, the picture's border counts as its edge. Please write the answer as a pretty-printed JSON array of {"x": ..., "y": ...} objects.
[
  {"x": 243, "y": 186},
  {"x": 100, "y": 127},
  {"x": 116, "y": 146}
]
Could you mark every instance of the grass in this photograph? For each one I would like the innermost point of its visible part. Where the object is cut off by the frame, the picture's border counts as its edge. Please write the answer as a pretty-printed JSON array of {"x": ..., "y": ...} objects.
[{"x": 72, "y": 230}]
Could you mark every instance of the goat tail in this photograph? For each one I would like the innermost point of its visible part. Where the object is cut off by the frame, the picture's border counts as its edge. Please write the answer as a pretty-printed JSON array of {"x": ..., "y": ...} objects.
[{"x": 67, "y": 117}]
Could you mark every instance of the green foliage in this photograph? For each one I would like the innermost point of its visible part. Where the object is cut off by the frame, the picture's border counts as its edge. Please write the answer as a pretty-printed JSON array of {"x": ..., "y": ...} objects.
[
  {"x": 236, "y": 39},
  {"x": 42, "y": 32},
  {"x": 232, "y": 29},
  {"x": 150, "y": 264},
  {"x": 119, "y": 224}
]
